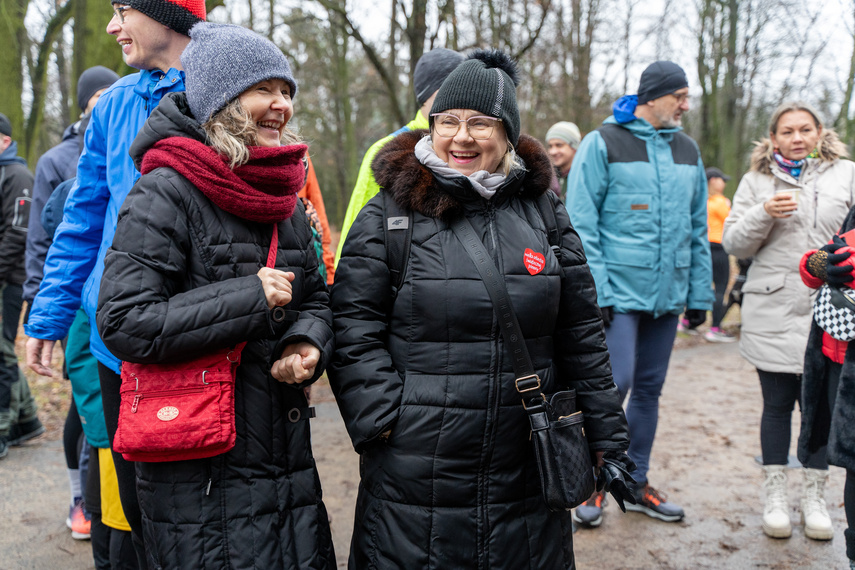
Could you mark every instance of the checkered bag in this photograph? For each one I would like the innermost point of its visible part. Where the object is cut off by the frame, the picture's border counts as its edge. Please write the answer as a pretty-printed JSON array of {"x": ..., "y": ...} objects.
[{"x": 834, "y": 312}]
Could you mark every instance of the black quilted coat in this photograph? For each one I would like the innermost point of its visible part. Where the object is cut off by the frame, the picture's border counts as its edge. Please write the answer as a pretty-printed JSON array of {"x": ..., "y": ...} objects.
[
  {"x": 180, "y": 280},
  {"x": 455, "y": 484},
  {"x": 822, "y": 425}
]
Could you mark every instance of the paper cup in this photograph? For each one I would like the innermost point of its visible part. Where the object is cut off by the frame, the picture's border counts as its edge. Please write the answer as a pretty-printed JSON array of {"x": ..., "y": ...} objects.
[{"x": 793, "y": 192}]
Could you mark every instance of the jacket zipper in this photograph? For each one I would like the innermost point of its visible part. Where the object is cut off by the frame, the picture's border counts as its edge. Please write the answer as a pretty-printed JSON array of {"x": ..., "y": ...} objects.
[
  {"x": 162, "y": 394},
  {"x": 495, "y": 393}
]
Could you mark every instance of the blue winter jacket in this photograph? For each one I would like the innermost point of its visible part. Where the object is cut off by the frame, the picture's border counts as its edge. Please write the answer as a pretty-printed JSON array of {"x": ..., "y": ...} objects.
[
  {"x": 638, "y": 199},
  {"x": 55, "y": 166},
  {"x": 105, "y": 175}
]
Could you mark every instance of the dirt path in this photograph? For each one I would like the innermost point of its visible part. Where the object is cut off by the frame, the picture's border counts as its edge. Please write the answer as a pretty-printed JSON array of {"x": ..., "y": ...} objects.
[{"x": 703, "y": 458}]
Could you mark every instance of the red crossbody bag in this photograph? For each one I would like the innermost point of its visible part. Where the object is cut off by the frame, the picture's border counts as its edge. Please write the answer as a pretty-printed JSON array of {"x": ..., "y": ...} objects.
[{"x": 183, "y": 410}]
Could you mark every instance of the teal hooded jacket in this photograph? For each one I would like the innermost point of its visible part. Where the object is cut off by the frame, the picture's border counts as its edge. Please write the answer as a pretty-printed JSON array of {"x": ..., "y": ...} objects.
[{"x": 637, "y": 196}]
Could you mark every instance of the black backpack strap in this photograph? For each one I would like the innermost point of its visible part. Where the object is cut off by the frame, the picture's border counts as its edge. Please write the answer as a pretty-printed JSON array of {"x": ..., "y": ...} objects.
[
  {"x": 547, "y": 212},
  {"x": 398, "y": 234}
]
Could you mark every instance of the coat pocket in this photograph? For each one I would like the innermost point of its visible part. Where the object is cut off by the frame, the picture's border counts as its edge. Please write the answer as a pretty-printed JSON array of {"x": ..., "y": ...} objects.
[{"x": 764, "y": 285}]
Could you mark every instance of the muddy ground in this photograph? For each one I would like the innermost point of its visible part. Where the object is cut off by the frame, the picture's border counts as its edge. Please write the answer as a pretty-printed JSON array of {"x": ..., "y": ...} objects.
[{"x": 703, "y": 458}]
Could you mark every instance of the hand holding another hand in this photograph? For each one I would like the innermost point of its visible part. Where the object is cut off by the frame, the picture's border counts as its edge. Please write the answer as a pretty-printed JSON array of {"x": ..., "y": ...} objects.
[{"x": 297, "y": 363}]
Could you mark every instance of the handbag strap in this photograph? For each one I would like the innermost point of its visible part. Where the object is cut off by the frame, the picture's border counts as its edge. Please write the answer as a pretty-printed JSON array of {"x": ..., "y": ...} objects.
[
  {"x": 527, "y": 381},
  {"x": 274, "y": 246}
]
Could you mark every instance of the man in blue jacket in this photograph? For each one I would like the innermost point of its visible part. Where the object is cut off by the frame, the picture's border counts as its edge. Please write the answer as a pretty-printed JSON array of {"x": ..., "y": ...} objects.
[
  {"x": 152, "y": 35},
  {"x": 638, "y": 197}
]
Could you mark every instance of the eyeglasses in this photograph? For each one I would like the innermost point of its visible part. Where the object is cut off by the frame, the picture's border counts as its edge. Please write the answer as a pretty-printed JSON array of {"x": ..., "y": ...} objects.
[
  {"x": 119, "y": 12},
  {"x": 479, "y": 128},
  {"x": 681, "y": 97}
]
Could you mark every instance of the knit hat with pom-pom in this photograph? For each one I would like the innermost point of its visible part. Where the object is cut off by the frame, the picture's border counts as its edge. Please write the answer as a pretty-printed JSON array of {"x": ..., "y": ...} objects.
[
  {"x": 177, "y": 15},
  {"x": 486, "y": 82}
]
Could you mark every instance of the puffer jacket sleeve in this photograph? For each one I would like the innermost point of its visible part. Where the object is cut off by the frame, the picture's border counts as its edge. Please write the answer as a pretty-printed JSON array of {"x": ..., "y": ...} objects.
[
  {"x": 748, "y": 225},
  {"x": 73, "y": 254},
  {"x": 367, "y": 386},
  {"x": 581, "y": 356},
  {"x": 142, "y": 317},
  {"x": 314, "y": 324}
]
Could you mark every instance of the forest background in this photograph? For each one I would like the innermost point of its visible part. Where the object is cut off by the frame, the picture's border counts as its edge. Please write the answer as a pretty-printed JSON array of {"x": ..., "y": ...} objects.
[{"x": 354, "y": 62}]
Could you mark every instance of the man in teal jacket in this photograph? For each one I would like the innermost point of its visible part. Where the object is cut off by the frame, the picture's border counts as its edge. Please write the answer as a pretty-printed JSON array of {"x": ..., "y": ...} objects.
[
  {"x": 637, "y": 196},
  {"x": 152, "y": 35},
  {"x": 431, "y": 70}
]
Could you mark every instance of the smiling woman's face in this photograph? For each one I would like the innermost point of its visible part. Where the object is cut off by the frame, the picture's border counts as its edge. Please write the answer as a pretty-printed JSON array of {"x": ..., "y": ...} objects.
[
  {"x": 465, "y": 154},
  {"x": 269, "y": 104}
]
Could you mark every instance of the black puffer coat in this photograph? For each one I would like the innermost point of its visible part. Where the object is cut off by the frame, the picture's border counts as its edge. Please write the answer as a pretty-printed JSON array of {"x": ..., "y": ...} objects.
[
  {"x": 180, "y": 280},
  {"x": 455, "y": 485},
  {"x": 822, "y": 425}
]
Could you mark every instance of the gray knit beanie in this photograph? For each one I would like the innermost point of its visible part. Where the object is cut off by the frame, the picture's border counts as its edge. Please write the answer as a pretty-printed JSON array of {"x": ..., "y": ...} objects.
[
  {"x": 222, "y": 61},
  {"x": 431, "y": 70},
  {"x": 485, "y": 82},
  {"x": 565, "y": 131}
]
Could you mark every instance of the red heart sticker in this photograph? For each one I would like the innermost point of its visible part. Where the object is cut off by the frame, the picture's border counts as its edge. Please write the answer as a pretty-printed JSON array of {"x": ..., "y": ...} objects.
[{"x": 534, "y": 262}]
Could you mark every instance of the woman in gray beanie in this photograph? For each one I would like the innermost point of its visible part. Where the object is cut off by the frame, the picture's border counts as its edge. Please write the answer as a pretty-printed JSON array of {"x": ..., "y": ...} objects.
[
  {"x": 213, "y": 249},
  {"x": 422, "y": 375}
]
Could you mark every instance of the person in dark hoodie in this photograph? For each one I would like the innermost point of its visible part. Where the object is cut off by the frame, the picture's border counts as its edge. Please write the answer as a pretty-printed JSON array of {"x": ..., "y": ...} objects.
[
  {"x": 187, "y": 274},
  {"x": 424, "y": 380},
  {"x": 18, "y": 410}
]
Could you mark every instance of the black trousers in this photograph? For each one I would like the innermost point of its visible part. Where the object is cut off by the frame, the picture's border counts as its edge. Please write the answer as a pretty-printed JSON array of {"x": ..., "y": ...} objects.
[
  {"x": 781, "y": 391},
  {"x": 111, "y": 384},
  {"x": 721, "y": 275}
]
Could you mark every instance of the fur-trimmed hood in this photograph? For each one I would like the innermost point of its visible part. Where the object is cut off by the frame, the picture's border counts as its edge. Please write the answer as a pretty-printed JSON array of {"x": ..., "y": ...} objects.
[
  {"x": 414, "y": 186},
  {"x": 830, "y": 149}
]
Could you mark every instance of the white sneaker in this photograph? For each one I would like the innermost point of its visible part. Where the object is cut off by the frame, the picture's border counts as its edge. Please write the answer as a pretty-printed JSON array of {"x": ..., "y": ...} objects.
[
  {"x": 814, "y": 514},
  {"x": 776, "y": 518}
]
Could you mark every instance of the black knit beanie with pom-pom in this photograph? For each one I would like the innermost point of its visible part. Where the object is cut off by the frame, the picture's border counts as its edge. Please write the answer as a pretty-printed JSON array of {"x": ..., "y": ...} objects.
[{"x": 485, "y": 82}]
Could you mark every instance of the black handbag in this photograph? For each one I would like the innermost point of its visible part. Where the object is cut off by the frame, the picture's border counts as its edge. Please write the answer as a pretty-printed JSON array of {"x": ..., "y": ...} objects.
[{"x": 557, "y": 429}]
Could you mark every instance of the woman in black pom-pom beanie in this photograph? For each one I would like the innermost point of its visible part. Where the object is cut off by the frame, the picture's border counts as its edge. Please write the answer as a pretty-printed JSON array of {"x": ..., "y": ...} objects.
[{"x": 422, "y": 373}]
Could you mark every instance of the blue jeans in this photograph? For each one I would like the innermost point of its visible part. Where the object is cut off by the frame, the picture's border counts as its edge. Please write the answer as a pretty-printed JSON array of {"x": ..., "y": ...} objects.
[{"x": 640, "y": 348}]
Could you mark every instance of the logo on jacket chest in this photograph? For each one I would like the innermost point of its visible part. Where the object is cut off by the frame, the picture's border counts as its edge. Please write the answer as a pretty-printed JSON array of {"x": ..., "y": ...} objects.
[{"x": 534, "y": 261}]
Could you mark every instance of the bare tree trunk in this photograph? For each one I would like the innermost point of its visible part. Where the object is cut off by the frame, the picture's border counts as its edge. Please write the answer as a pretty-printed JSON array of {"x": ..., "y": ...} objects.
[
  {"x": 39, "y": 78},
  {"x": 843, "y": 124},
  {"x": 15, "y": 43}
]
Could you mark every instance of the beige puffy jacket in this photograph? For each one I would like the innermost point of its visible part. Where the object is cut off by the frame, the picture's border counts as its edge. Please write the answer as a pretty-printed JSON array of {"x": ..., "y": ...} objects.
[{"x": 777, "y": 306}]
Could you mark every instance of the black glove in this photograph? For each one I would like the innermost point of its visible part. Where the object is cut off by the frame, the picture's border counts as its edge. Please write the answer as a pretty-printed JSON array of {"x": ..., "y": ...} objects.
[
  {"x": 608, "y": 314},
  {"x": 696, "y": 317},
  {"x": 823, "y": 263},
  {"x": 735, "y": 296},
  {"x": 614, "y": 476}
]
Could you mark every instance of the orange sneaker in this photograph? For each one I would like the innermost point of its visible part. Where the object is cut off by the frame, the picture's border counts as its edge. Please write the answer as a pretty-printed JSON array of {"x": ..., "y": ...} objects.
[
  {"x": 654, "y": 504},
  {"x": 590, "y": 513},
  {"x": 78, "y": 520}
]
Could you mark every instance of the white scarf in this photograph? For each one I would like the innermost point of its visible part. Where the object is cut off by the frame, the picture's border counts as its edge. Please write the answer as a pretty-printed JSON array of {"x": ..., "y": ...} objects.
[{"x": 485, "y": 183}]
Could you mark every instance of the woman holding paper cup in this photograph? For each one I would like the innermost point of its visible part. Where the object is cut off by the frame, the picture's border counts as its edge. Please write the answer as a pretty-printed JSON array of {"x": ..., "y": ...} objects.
[{"x": 794, "y": 198}]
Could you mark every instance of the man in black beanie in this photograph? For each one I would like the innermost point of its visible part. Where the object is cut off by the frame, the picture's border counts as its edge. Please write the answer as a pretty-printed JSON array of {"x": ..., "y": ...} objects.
[
  {"x": 431, "y": 70},
  {"x": 639, "y": 205},
  {"x": 151, "y": 34}
]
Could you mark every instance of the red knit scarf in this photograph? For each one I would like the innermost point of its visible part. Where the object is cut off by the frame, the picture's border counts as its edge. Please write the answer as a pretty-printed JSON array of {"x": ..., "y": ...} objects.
[{"x": 262, "y": 190}]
